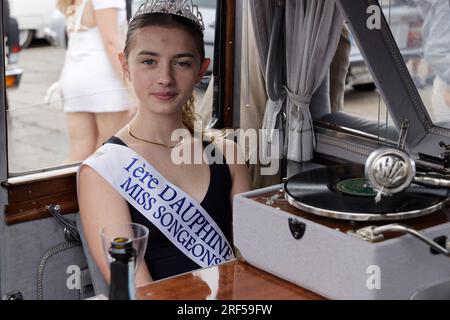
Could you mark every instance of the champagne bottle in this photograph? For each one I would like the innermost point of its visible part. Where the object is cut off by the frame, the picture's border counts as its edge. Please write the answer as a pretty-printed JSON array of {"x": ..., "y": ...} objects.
[{"x": 122, "y": 270}]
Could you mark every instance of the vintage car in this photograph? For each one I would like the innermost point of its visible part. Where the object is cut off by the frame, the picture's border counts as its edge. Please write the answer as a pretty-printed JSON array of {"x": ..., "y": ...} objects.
[
  {"x": 34, "y": 18},
  {"x": 13, "y": 72},
  {"x": 350, "y": 189}
]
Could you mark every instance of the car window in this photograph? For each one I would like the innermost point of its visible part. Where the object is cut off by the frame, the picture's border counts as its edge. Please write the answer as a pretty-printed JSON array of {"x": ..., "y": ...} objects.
[
  {"x": 205, "y": 3},
  {"x": 421, "y": 29},
  {"x": 40, "y": 135}
]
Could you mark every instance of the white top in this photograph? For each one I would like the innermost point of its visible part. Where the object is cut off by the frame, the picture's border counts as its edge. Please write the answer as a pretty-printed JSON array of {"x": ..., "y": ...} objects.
[
  {"x": 104, "y": 4},
  {"x": 88, "y": 80},
  {"x": 74, "y": 21}
]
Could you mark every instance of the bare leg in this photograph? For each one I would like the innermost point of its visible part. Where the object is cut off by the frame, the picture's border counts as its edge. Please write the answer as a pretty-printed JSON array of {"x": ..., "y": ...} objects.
[
  {"x": 83, "y": 135},
  {"x": 109, "y": 124}
]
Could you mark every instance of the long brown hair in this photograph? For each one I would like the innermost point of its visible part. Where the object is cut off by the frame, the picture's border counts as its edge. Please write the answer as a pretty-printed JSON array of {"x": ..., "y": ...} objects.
[{"x": 162, "y": 19}]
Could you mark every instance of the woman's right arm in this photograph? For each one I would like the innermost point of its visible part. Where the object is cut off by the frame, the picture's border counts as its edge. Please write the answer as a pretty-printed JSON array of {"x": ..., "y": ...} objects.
[
  {"x": 106, "y": 20},
  {"x": 101, "y": 205}
]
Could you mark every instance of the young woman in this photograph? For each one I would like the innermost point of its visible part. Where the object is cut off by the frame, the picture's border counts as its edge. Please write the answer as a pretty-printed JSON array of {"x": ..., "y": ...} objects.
[
  {"x": 95, "y": 97},
  {"x": 134, "y": 177}
]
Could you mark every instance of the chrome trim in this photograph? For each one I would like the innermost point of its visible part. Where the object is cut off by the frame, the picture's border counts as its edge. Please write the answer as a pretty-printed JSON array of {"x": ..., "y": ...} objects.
[
  {"x": 404, "y": 229},
  {"x": 364, "y": 217},
  {"x": 16, "y": 71},
  {"x": 41, "y": 175},
  {"x": 320, "y": 125},
  {"x": 3, "y": 117},
  {"x": 432, "y": 179},
  {"x": 339, "y": 143},
  {"x": 351, "y": 135}
]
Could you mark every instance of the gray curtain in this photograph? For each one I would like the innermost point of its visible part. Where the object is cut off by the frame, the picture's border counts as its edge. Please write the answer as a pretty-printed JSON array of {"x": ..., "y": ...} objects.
[
  {"x": 268, "y": 23},
  {"x": 311, "y": 30}
]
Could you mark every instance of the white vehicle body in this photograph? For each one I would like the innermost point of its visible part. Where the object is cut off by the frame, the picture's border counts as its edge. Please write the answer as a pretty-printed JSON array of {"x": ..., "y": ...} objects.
[{"x": 34, "y": 18}]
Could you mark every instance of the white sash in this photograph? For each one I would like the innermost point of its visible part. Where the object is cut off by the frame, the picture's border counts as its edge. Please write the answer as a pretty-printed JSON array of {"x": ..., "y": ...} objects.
[{"x": 176, "y": 214}]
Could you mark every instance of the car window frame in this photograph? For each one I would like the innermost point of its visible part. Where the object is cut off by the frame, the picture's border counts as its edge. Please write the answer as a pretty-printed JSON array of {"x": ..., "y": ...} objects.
[
  {"x": 25, "y": 197},
  {"x": 221, "y": 96},
  {"x": 3, "y": 128}
]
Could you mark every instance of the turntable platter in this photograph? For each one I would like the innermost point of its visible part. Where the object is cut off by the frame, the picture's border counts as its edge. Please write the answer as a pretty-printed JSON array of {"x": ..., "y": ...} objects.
[{"x": 331, "y": 192}]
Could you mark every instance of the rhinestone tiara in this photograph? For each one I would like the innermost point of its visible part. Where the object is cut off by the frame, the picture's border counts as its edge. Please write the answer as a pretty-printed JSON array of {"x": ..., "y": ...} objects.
[{"x": 183, "y": 8}]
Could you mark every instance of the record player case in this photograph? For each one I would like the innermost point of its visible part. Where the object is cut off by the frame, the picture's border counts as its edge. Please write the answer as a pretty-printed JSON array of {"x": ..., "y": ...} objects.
[{"x": 324, "y": 255}]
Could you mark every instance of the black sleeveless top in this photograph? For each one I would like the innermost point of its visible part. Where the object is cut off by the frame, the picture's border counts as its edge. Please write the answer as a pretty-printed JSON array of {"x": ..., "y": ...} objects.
[{"x": 163, "y": 258}]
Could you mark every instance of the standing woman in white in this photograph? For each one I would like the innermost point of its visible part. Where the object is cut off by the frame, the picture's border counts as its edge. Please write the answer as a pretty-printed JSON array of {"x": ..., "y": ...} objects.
[{"x": 95, "y": 96}]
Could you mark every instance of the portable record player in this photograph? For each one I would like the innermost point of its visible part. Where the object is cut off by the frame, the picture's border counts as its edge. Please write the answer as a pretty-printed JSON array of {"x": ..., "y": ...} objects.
[
  {"x": 324, "y": 230},
  {"x": 331, "y": 231}
]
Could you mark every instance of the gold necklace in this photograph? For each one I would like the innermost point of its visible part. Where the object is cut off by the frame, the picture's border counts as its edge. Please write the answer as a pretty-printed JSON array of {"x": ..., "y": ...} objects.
[{"x": 155, "y": 143}]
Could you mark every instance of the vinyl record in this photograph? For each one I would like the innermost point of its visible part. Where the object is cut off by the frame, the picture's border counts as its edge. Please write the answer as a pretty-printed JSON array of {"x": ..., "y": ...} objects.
[{"x": 340, "y": 192}]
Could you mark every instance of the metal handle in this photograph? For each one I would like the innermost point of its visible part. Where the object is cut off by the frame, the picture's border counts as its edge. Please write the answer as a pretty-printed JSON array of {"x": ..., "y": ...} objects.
[
  {"x": 403, "y": 134},
  {"x": 432, "y": 179},
  {"x": 404, "y": 229},
  {"x": 71, "y": 233}
]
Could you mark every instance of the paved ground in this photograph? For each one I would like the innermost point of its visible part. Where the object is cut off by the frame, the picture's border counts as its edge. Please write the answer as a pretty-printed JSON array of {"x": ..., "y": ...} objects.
[{"x": 38, "y": 132}]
